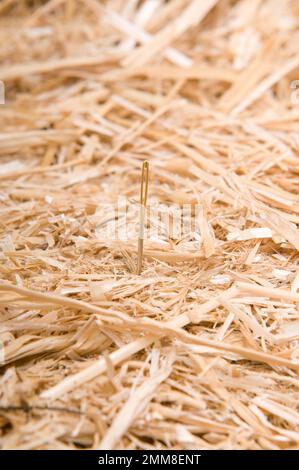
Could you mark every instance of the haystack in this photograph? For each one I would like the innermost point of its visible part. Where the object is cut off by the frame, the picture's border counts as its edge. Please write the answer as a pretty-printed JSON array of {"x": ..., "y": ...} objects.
[{"x": 199, "y": 350}]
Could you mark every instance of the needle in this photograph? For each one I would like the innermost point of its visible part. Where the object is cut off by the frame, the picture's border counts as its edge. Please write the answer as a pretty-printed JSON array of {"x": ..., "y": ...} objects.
[{"x": 143, "y": 200}]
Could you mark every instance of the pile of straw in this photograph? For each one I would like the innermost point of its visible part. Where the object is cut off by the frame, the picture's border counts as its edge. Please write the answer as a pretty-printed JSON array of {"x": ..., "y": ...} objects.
[{"x": 201, "y": 349}]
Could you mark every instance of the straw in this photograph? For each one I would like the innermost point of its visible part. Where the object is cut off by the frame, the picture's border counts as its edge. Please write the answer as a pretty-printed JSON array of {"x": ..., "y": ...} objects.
[{"x": 172, "y": 324}]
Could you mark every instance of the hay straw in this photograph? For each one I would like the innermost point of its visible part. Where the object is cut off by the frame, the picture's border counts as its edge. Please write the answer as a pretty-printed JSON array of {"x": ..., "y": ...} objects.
[{"x": 201, "y": 349}]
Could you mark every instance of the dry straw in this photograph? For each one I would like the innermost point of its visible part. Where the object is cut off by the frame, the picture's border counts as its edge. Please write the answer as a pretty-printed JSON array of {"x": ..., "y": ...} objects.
[{"x": 201, "y": 350}]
